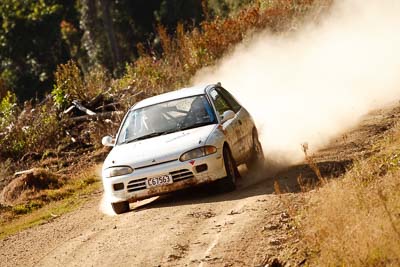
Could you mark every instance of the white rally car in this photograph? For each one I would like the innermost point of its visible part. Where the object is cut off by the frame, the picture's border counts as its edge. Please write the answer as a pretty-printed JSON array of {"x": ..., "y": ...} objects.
[{"x": 177, "y": 140}]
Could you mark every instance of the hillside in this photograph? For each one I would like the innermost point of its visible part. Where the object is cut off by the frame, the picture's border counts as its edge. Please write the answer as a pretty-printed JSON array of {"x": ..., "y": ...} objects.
[
  {"x": 46, "y": 136},
  {"x": 320, "y": 78},
  {"x": 350, "y": 218}
]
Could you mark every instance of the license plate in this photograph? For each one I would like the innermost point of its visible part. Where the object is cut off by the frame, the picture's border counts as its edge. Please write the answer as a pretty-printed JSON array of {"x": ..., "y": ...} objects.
[{"x": 159, "y": 180}]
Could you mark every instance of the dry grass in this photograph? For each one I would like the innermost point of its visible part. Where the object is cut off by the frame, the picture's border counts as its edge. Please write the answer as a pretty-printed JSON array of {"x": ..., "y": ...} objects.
[
  {"x": 35, "y": 129},
  {"x": 26, "y": 186},
  {"x": 35, "y": 206},
  {"x": 355, "y": 221},
  {"x": 21, "y": 219},
  {"x": 6, "y": 171}
]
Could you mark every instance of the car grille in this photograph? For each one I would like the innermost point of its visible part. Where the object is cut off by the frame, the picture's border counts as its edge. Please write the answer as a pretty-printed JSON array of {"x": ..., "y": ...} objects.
[
  {"x": 136, "y": 185},
  {"x": 140, "y": 184},
  {"x": 181, "y": 175}
]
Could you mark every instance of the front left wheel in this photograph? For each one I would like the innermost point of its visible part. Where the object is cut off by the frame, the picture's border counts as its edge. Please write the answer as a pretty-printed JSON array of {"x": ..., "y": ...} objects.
[
  {"x": 228, "y": 183},
  {"x": 120, "y": 207}
]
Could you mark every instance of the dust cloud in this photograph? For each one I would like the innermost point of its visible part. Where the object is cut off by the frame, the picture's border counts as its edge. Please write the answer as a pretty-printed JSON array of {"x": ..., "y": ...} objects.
[
  {"x": 105, "y": 204},
  {"x": 314, "y": 83}
]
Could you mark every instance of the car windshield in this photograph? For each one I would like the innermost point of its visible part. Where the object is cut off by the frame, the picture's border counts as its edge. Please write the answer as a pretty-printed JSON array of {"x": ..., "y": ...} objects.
[{"x": 167, "y": 117}]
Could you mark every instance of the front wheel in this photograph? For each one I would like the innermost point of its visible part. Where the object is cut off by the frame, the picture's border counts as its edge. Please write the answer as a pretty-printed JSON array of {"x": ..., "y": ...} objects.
[
  {"x": 257, "y": 154},
  {"x": 120, "y": 207},
  {"x": 228, "y": 183}
]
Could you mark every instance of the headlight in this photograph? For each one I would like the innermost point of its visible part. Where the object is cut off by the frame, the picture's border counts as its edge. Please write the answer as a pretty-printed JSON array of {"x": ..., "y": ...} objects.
[
  {"x": 198, "y": 153},
  {"x": 117, "y": 171}
]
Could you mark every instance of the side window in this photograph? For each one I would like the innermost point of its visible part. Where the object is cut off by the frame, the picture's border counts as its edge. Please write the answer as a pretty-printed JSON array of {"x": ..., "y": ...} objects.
[
  {"x": 229, "y": 98},
  {"x": 221, "y": 105}
]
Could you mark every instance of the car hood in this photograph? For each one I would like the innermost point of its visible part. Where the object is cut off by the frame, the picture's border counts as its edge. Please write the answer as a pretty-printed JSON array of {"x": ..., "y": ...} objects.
[{"x": 158, "y": 149}]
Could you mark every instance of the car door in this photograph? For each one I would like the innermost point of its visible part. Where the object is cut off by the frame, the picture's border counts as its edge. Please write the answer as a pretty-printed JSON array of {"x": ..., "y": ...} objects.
[
  {"x": 245, "y": 123},
  {"x": 230, "y": 127}
]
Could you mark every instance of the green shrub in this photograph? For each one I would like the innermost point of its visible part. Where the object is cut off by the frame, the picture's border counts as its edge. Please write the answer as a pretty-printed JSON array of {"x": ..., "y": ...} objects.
[
  {"x": 7, "y": 109},
  {"x": 71, "y": 84}
]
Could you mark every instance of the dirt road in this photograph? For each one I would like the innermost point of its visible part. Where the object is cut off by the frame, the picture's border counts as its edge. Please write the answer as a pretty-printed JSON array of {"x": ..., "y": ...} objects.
[
  {"x": 192, "y": 228},
  {"x": 198, "y": 227}
]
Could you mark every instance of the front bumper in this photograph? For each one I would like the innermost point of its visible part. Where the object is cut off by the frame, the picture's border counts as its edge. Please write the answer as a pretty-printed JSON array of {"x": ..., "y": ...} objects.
[{"x": 184, "y": 174}]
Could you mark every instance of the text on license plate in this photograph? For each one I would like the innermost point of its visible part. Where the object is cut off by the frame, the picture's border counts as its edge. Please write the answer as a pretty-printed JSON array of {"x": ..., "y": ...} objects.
[{"x": 159, "y": 180}]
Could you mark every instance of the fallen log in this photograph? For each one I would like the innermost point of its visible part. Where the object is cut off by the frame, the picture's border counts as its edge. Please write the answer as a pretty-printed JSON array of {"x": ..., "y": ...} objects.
[
  {"x": 82, "y": 108},
  {"x": 97, "y": 116}
]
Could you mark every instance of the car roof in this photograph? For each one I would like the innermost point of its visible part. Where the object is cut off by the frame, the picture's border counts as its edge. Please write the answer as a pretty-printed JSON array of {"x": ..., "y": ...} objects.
[{"x": 181, "y": 93}]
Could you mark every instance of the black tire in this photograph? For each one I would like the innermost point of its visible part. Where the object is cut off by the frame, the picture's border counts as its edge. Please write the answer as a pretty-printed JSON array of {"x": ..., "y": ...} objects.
[
  {"x": 120, "y": 207},
  {"x": 257, "y": 158},
  {"x": 228, "y": 183}
]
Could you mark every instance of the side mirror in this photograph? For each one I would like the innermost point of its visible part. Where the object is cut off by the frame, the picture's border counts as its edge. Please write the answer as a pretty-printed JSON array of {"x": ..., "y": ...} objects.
[
  {"x": 229, "y": 114},
  {"x": 107, "y": 141}
]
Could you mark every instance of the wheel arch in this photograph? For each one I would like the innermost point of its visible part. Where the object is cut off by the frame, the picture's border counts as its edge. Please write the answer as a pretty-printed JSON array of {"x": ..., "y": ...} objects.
[{"x": 254, "y": 130}]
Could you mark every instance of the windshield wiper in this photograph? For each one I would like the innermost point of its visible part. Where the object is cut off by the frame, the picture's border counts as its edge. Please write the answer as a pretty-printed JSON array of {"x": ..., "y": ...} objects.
[
  {"x": 199, "y": 124},
  {"x": 146, "y": 136}
]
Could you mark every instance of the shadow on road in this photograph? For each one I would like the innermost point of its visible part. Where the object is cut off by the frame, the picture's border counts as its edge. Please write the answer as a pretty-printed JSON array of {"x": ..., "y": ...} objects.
[{"x": 252, "y": 183}]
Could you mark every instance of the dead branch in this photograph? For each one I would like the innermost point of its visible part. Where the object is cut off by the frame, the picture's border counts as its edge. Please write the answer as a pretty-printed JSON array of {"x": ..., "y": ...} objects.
[
  {"x": 82, "y": 108},
  {"x": 24, "y": 172},
  {"x": 68, "y": 110},
  {"x": 111, "y": 105}
]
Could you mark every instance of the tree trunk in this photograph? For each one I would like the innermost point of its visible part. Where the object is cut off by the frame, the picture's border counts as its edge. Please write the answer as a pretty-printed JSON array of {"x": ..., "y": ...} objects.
[
  {"x": 90, "y": 39},
  {"x": 109, "y": 29}
]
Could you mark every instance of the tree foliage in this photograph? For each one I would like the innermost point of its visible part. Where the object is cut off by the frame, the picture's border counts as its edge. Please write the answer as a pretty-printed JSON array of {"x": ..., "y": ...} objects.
[
  {"x": 38, "y": 35},
  {"x": 30, "y": 44}
]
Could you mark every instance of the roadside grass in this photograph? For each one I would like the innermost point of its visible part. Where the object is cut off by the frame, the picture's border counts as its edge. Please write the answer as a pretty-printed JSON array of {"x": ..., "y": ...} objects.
[
  {"x": 355, "y": 220},
  {"x": 49, "y": 204}
]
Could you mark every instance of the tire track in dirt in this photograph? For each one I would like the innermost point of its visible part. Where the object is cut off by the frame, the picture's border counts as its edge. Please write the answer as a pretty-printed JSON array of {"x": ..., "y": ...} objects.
[{"x": 184, "y": 229}]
